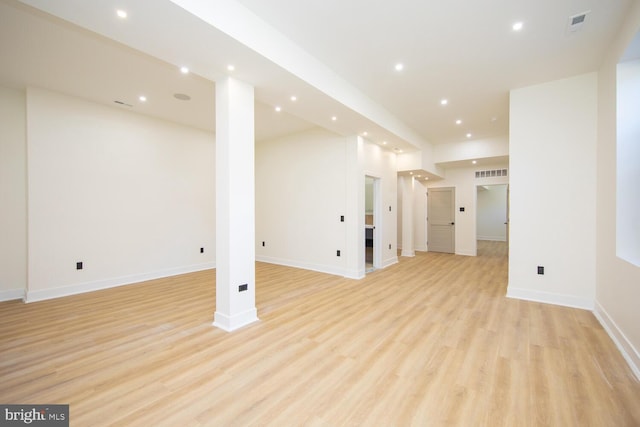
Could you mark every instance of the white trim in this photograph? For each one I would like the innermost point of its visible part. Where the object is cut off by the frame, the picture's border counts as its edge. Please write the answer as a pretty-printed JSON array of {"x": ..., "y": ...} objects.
[
  {"x": 493, "y": 238},
  {"x": 628, "y": 351},
  {"x": 40, "y": 295},
  {"x": 465, "y": 253},
  {"x": 11, "y": 294},
  {"x": 237, "y": 321},
  {"x": 389, "y": 261},
  {"x": 328, "y": 269},
  {"x": 408, "y": 253},
  {"x": 550, "y": 298},
  {"x": 336, "y": 271}
]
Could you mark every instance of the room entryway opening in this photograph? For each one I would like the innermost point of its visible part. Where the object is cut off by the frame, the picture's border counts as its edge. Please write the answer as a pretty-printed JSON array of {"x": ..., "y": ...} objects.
[{"x": 371, "y": 224}]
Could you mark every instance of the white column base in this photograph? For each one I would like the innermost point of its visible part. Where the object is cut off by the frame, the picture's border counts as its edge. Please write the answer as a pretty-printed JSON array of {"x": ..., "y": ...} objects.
[
  {"x": 407, "y": 253},
  {"x": 237, "y": 321}
]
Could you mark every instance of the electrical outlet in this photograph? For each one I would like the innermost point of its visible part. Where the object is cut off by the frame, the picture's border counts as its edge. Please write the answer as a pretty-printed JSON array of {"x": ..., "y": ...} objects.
[
  {"x": 338, "y": 253},
  {"x": 389, "y": 245},
  {"x": 341, "y": 218},
  {"x": 201, "y": 250},
  {"x": 79, "y": 265},
  {"x": 243, "y": 287},
  {"x": 540, "y": 269},
  {"x": 263, "y": 243}
]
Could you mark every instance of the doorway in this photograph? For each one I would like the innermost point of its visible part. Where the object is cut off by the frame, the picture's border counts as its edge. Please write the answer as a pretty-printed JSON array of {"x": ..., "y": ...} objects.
[
  {"x": 371, "y": 223},
  {"x": 441, "y": 219},
  {"x": 492, "y": 213}
]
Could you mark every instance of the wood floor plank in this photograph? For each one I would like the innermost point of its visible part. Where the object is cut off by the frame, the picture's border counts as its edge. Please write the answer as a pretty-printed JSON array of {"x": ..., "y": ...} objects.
[{"x": 431, "y": 341}]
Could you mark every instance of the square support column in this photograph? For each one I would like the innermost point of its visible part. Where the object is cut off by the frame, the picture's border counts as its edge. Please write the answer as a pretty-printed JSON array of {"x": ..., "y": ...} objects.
[
  {"x": 235, "y": 205},
  {"x": 407, "y": 216}
]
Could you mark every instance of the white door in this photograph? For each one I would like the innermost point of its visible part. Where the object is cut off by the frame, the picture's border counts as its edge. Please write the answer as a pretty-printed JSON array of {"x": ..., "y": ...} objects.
[{"x": 441, "y": 219}]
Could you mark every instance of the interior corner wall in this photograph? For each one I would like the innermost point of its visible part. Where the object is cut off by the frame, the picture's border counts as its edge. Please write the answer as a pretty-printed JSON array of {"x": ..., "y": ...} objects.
[
  {"x": 465, "y": 183},
  {"x": 553, "y": 132},
  {"x": 13, "y": 194},
  {"x": 617, "y": 281},
  {"x": 301, "y": 192},
  {"x": 129, "y": 196}
]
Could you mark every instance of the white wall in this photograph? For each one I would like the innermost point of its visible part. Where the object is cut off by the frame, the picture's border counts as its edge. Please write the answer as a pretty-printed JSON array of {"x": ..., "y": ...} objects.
[
  {"x": 304, "y": 183},
  {"x": 300, "y": 196},
  {"x": 131, "y": 197},
  {"x": 617, "y": 281},
  {"x": 492, "y": 212},
  {"x": 13, "y": 195},
  {"x": 553, "y": 134},
  {"x": 465, "y": 183},
  {"x": 628, "y": 162},
  {"x": 470, "y": 150}
]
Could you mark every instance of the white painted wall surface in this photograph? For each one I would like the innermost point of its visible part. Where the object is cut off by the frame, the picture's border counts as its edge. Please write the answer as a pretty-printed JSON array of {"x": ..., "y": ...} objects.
[
  {"x": 300, "y": 196},
  {"x": 553, "y": 133},
  {"x": 628, "y": 162},
  {"x": 131, "y": 197},
  {"x": 492, "y": 213},
  {"x": 465, "y": 182},
  {"x": 304, "y": 183},
  {"x": 617, "y": 281},
  {"x": 13, "y": 194}
]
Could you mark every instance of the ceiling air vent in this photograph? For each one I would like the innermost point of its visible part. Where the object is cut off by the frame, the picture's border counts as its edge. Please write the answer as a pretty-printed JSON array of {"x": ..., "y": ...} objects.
[{"x": 577, "y": 21}]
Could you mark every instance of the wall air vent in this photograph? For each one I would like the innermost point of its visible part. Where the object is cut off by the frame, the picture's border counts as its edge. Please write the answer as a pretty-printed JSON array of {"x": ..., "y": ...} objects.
[
  {"x": 491, "y": 173},
  {"x": 577, "y": 21}
]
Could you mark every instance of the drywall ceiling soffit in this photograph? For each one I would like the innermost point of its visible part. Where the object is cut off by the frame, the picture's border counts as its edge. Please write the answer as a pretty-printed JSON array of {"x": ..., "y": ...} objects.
[
  {"x": 162, "y": 32},
  {"x": 462, "y": 50},
  {"x": 497, "y": 161}
]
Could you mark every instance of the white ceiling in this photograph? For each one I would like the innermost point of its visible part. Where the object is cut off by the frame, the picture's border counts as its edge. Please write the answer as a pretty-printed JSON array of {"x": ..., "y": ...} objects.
[{"x": 462, "y": 50}]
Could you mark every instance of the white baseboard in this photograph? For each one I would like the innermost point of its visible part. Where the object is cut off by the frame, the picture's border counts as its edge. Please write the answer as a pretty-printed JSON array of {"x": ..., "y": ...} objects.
[
  {"x": 237, "y": 321},
  {"x": 466, "y": 253},
  {"x": 550, "y": 298},
  {"x": 40, "y": 295},
  {"x": 408, "y": 253},
  {"x": 629, "y": 352},
  {"x": 389, "y": 261},
  {"x": 493, "y": 238},
  {"x": 11, "y": 294},
  {"x": 329, "y": 269}
]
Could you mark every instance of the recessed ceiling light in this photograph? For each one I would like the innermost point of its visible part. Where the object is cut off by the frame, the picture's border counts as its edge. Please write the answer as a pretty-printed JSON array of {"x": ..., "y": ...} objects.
[
  {"x": 517, "y": 26},
  {"x": 410, "y": 173},
  {"x": 184, "y": 70},
  {"x": 365, "y": 133},
  {"x": 399, "y": 67},
  {"x": 142, "y": 98},
  {"x": 181, "y": 96},
  {"x": 474, "y": 162},
  {"x": 294, "y": 98},
  {"x": 384, "y": 142},
  {"x": 493, "y": 119},
  {"x": 397, "y": 150},
  {"x": 426, "y": 178},
  {"x": 418, "y": 176},
  {"x": 278, "y": 109},
  {"x": 458, "y": 122},
  {"x": 231, "y": 67},
  {"x": 121, "y": 13},
  {"x": 444, "y": 101},
  {"x": 334, "y": 118},
  {"x": 469, "y": 135}
]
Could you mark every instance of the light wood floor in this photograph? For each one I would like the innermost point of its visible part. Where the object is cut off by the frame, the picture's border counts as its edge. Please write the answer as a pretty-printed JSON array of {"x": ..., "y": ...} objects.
[{"x": 431, "y": 341}]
